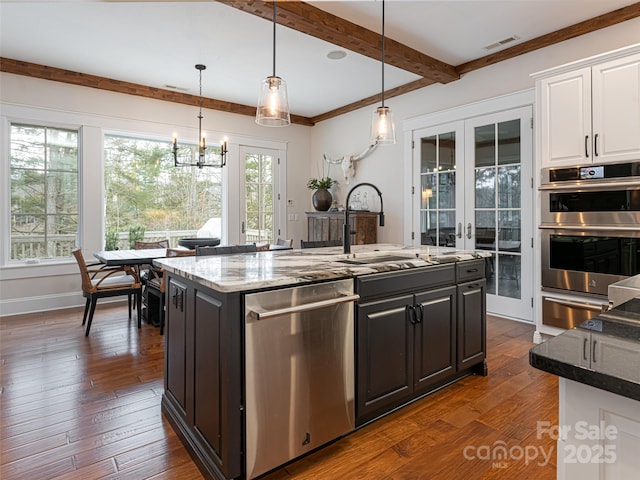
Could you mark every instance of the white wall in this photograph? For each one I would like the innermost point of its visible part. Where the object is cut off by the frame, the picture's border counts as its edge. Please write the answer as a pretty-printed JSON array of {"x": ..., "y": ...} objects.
[
  {"x": 25, "y": 288},
  {"x": 32, "y": 288},
  {"x": 385, "y": 167}
]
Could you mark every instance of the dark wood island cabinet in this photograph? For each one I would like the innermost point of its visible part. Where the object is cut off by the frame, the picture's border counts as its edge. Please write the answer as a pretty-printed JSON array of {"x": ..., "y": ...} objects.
[{"x": 416, "y": 330}]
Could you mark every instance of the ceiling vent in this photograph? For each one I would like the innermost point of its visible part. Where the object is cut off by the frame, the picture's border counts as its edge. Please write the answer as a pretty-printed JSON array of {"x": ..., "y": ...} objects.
[
  {"x": 502, "y": 42},
  {"x": 173, "y": 87}
]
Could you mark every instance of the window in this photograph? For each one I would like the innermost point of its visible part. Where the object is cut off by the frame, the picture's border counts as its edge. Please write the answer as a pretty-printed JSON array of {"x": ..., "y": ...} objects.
[
  {"x": 148, "y": 198},
  {"x": 44, "y": 191}
]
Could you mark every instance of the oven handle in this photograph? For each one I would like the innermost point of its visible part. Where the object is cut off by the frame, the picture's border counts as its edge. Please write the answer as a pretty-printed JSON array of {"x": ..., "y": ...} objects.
[
  {"x": 583, "y": 306},
  {"x": 264, "y": 315},
  {"x": 590, "y": 228},
  {"x": 592, "y": 185}
]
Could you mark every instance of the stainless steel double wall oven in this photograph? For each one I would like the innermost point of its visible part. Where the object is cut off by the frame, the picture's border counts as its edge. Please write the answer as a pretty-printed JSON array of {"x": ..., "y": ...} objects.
[{"x": 590, "y": 232}]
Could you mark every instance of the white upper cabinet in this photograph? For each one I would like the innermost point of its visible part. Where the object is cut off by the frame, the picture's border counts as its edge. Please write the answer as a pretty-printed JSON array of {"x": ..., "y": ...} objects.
[{"x": 590, "y": 112}]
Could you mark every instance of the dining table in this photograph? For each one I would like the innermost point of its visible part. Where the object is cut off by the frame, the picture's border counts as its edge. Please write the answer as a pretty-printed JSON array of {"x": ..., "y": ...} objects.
[{"x": 133, "y": 258}]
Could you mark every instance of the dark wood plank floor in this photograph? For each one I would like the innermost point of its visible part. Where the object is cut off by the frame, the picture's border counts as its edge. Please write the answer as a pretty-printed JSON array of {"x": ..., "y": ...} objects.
[{"x": 89, "y": 408}]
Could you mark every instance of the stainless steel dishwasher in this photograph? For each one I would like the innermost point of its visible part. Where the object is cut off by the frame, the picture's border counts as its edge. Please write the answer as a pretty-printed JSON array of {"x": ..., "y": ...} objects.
[{"x": 299, "y": 379}]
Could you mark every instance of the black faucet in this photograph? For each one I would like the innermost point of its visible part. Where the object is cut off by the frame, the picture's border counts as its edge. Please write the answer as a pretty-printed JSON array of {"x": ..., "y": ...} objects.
[{"x": 346, "y": 228}]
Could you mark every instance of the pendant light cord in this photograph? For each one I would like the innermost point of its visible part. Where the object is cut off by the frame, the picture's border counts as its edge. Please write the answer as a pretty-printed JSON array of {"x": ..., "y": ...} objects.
[
  {"x": 274, "y": 38},
  {"x": 382, "y": 53}
]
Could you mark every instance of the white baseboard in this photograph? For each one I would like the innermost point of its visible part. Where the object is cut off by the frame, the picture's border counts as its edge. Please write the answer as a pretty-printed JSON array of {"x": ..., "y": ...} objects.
[{"x": 42, "y": 303}]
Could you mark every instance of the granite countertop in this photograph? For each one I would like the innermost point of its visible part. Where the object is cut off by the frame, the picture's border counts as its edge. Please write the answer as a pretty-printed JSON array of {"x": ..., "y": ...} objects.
[
  {"x": 254, "y": 271},
  {"x": 613, "y": 337}
]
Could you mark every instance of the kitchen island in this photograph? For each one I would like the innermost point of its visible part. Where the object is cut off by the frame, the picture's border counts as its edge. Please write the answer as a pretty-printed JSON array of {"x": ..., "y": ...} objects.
[
  {"x": 598, "y": 363},
  {"x": 418, "y": 325}
]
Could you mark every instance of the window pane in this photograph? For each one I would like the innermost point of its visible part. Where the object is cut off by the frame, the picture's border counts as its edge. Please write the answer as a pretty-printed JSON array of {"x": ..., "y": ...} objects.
[
  {"x": 509, "y": 142},
  {"x": 509, "y": 274},
  {"x": 447, "y": 190},
  {"x": 27, "y": 146},
  {"x": 447, "y": 144},
  {"x": 427, "y": 191},
  {"x": 485, "y": 187},
  {"x": 144, "y": 189},
  {"x": 485, "y": 145},
  {"x": 509, "y": 187},
  {"x": 428, "y": 161},
  {"x": 485, "y": 230}
]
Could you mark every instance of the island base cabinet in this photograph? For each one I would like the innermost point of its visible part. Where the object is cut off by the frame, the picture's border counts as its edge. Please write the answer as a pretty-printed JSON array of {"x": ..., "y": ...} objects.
[
  {"x": 472, "y": 323},
  {"x": 203, "y": 389},
  {"x": 176, "y": 334},
  {"x": 435, "y": 340},
  {"x": 385, "y": 356},
  {"x": 416, "y": 341}
]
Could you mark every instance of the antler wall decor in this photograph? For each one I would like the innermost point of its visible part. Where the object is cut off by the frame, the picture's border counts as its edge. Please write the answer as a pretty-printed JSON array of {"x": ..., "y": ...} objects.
[{"x": 346, "y": 162}]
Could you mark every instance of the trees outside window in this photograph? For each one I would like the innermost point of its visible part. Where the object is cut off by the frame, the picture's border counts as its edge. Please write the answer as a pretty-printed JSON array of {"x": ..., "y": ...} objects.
[
  {"x": 145, "y": 191},
  {"x": 44, "y": 191}
]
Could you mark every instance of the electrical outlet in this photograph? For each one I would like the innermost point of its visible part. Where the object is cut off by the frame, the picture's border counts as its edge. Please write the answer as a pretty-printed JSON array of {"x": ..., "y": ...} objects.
[{"x": 289, "y": 203}]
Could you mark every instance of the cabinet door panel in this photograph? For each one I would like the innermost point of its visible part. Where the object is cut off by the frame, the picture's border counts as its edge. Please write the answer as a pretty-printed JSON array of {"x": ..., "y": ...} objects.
[
  {"x": 566, "y": 113},
  {"x": 175, "y": 379},
  {"x": 471, "y": 323},
  {"x": 616, "y": 109},
  {"x": 385, "y": 354},
  {"x": 207, "y": 369},
  {"x": 435, "y": 345}
]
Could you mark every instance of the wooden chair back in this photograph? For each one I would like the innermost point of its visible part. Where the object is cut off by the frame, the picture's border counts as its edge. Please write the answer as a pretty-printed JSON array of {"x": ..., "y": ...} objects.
[{"x": 138, "y": 245}]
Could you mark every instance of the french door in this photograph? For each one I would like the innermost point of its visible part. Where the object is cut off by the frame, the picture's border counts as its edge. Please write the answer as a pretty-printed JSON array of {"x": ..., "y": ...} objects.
[
  {"x": 475, "y": 194},
  {"x": 259, "y": 195}
]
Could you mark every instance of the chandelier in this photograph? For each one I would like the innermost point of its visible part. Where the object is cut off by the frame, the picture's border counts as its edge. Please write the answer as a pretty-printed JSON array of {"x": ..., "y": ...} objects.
[{"x": 203, "y": 153}]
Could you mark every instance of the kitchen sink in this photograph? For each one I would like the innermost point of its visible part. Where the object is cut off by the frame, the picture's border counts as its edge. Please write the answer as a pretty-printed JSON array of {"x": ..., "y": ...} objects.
[{"x": 380, "y": 259}]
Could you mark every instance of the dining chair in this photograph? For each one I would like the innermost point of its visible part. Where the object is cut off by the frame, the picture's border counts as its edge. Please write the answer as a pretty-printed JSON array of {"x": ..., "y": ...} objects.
[
  {"x": 226, "y": 249},
  {"x": 106, "y": 282},
  {"x": 157, "y": 283},
  {"x": 138, "y": 245},
  {"x": 285, "y": 242}
]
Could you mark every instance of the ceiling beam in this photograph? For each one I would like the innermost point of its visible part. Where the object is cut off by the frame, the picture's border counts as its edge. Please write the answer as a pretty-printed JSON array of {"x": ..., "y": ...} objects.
[
  {"x": 34, "y": 70},
  {"x": 310, "y": 20},
  {"x": 596, "y": 23}
]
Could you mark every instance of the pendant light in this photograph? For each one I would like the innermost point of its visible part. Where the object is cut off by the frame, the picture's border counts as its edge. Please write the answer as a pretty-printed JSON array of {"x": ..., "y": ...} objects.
[
  {"x": 383, "y": 130},
  {"x": 273, "y": 104}
]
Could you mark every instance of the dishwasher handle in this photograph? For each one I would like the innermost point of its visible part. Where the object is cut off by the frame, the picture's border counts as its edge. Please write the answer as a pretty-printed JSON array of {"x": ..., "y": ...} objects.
[{"x": 267, "y": 314}]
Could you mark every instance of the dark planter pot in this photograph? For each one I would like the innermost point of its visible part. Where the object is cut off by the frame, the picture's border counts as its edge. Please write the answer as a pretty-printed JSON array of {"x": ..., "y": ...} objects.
[{"x": 321, "y": 200}]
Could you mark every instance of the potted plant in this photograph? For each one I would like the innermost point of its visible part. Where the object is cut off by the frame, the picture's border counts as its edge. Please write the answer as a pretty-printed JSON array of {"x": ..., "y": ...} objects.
[{"x": 321, "y": 198}]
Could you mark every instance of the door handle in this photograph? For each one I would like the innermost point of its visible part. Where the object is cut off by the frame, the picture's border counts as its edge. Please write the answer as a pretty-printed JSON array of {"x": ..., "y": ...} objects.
[
  {"x": 243, "y": 229},
  {"x": 586, "y": 146},
  {"x": 469, "y": 230},
  {"x": 459, "y": 234},
  {"x": 595, "y": 145}
]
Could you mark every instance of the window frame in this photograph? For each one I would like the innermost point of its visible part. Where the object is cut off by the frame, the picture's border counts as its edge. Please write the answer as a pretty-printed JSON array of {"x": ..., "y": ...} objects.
[{"x": 5, "y": 200}]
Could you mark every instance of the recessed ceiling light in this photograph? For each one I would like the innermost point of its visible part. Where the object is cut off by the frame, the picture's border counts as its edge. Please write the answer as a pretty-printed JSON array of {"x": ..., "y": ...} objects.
[{"x": 336, "y": 54}]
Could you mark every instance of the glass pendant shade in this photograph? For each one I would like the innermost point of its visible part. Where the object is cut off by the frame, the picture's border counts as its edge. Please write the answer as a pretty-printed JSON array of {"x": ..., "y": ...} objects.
[
  {"x": 383, "y": 130},
  {"x": 273, "y": 103}
]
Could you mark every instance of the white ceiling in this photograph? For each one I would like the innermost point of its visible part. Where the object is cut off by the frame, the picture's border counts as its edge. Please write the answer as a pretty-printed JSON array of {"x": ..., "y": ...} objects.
[{"x": 158, "y": 43}]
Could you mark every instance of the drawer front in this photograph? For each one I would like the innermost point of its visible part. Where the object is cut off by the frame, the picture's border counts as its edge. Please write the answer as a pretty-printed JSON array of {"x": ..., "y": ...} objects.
[
  {"x": 384, "y": 284},
  {"x": 471, "y": 270}
]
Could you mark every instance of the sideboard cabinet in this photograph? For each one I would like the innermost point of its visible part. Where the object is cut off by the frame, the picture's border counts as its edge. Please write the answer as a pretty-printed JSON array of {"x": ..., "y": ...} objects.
[{"x": 322, "y": 226}]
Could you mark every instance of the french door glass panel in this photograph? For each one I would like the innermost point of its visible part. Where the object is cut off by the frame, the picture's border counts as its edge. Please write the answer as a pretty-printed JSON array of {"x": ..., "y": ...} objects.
[
  {"x": 498, "y": 157},
  {"x": 438, "y": 193},
  {"x": 471, "y": 197},
  {"x": 258, "y": 212}
]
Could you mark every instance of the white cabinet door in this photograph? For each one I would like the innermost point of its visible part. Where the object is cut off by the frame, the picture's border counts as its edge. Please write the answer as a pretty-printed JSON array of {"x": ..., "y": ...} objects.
[
  {"x": 616, "y": 110},
  {"x": 565, "y": 113}
]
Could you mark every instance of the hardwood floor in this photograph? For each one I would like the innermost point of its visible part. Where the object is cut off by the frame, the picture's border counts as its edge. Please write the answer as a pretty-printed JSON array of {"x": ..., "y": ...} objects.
[{"x": 87, "y": 408}]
